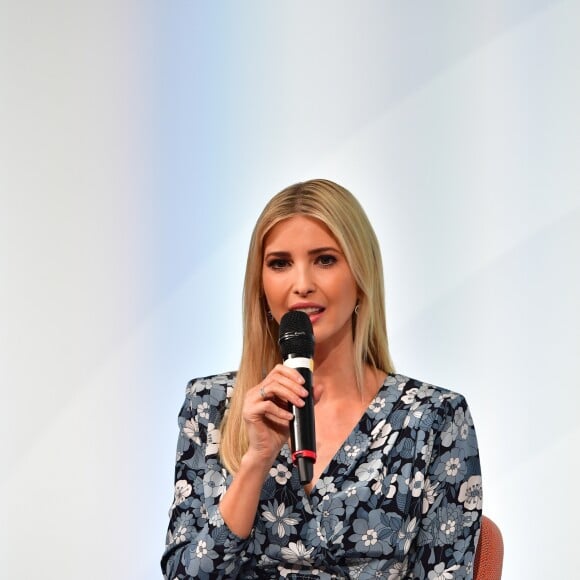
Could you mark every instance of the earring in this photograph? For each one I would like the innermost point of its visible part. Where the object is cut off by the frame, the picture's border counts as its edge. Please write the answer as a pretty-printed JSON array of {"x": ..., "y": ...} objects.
[
  {"x": 356, "y": 308},
  {"x": 269, "y": 315}
]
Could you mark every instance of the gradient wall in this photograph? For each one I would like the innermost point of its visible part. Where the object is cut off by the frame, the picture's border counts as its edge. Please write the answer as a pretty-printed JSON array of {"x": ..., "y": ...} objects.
[{"x": 140, "y": 140}]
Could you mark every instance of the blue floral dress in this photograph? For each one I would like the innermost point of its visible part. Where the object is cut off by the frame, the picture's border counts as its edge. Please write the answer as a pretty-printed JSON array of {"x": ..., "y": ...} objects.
[{"x": 400, "y": 499}]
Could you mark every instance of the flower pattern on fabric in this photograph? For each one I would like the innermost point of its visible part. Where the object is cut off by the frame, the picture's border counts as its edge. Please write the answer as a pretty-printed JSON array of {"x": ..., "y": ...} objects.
[{"x": 401, "y": 499}]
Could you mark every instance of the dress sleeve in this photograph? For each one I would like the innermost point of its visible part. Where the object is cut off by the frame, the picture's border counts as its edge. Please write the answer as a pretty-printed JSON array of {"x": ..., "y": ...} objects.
[
  {"x": 199, "y": 544},
  {"x": 452, "y": 497}
]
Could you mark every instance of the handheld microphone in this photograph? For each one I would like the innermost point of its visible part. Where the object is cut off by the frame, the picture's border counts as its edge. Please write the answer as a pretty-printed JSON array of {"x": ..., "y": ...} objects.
[{"x": 296, "y": 340}]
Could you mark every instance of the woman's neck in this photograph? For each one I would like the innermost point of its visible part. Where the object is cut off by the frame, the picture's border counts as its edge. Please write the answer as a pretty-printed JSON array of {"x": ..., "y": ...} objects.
[
  {"x": 334, "y": 364},
  {"x": 335, "y": 376}
]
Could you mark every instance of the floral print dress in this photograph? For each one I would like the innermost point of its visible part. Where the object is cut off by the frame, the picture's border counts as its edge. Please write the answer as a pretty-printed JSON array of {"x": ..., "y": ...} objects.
[{"x": 400, "y": 499}]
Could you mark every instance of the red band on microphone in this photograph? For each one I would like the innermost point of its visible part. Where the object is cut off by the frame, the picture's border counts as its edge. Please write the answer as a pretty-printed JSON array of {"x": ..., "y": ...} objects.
[{"x": 304, "y": 453}]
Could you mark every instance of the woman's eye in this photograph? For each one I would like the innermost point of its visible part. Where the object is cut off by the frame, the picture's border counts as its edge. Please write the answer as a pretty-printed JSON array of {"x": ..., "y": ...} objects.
[
  {"x": 326, "y": 260},
  {"x": 277, "y": 263}
]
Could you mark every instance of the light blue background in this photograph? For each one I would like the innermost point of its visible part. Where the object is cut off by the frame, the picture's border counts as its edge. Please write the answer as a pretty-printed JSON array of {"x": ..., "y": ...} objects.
[{"x": 140, "y": 140}]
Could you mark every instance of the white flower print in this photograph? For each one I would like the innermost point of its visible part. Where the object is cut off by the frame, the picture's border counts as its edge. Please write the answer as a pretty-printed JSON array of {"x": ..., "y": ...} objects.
[
  {"x": 201, "y": 549},
  {"x": 449, "y": 435},
  {"x": 370, "y": 538},
  {"x": 448, "y": 527},
  {"x": 415, "y": 415},
  {"x": 180, "y": 534},
  {"x": 442, "y": 573},
  {"x": 296, "y": 552},
  {"x": 377, "y": 487},
  {"x": 446, "y": 395},
  {"x": 470, "y": 494},
  {"x": 214, "y": 483},
  {"x": 182, "y": 491},
  {"x": 429, "y": 495},
  {"x": 216, "y": 518},
  {"x": 280, "y": 473},
  {"x": 398, "y": 571},
  {"x": 203, "y": 410},
  {"x": 417, "y": 484},
  {"x": 392, "y": 487},
  {"x": 377, "y": 404},
  {"x": 280, "y": 519},
  {"x": 381, "y": 433},
  {"x": 326, "y": 487},
  {"x": 352, "y": 450},
  {"x": 424, "y": 391},
  {"x": 213, "y": 439},
  {"x": 409, "y": 396},
  {"x": 406, "y": 534},
  {"x": 452, "y": 466},
  {"x": 184, "y": 526},
  {"x": 191, "y": 430},
  {"x": 368, "y": 471}
]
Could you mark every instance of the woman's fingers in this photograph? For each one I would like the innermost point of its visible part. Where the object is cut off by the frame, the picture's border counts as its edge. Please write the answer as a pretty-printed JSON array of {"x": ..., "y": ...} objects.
[
  {"x": 266, "y": 408},
  {"x": 280, "y": 395},
  {"x": 283, "y": 383},
  {"x": 268, "y": 401},
  {"x": 274, "y": 412}
]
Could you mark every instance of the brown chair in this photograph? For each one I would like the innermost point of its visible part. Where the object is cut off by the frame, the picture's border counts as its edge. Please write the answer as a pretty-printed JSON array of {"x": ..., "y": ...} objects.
[{"x": 489, "y": 553}]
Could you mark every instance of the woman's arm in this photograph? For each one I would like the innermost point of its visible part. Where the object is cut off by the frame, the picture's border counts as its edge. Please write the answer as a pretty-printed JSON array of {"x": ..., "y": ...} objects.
[
  {"x": 267, "y": 420},
  {"x": 214, "y": 513},
  {"x": 199, "y": 542},
  {"x": 452, "y": 499}
]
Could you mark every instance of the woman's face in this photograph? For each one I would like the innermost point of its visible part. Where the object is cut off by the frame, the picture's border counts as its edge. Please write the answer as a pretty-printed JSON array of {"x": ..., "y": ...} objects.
[{"x": 304, "y": 269}]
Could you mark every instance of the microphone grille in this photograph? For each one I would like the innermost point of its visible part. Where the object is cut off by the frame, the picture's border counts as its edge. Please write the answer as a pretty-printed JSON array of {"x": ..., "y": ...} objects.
[{"x": 296, "y": 336}]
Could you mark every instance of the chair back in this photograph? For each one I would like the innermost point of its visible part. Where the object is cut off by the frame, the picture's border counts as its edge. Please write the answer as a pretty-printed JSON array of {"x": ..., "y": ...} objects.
[{"x": 489, "y": 553}]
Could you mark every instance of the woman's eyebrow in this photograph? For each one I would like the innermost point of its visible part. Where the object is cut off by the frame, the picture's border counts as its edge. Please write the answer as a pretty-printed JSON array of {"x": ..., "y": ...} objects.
[
  {"x": 313, "y": 252},
  {"x": 325, "y": 249},
  {"x": 277, "y": 254}
]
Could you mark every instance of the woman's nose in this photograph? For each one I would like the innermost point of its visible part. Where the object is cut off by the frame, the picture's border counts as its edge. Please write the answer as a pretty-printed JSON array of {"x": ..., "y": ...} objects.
[{"x": 303, "y": 283}]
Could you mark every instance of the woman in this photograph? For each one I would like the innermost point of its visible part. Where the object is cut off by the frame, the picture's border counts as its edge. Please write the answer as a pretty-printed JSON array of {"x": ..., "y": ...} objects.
[{"x": 396, "y": 491}]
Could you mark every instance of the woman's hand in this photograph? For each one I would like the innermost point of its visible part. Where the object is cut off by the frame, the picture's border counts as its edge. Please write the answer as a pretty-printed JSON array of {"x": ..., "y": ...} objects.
[
  {"x": 267, "y": 420},
  {"x": 266, "y": 412}
]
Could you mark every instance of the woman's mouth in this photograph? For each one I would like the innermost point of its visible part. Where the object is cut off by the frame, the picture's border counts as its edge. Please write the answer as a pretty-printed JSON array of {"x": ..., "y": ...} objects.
[{"x": 310, "y": 310}]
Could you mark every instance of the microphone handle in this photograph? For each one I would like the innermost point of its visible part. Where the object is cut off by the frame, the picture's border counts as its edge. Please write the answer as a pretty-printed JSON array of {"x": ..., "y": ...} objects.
[
  {"x": 302, "y": 432},
  {"x": 305, "y": 467}
]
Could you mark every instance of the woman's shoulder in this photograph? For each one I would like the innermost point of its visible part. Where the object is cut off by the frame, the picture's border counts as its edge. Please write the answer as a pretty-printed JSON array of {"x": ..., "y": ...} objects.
[
  {"x": 211, "y": 384},
  {"x": 416, "y": 403},
  {"x": 412, "y": 390},
  {"x": 208, "y": 396}
]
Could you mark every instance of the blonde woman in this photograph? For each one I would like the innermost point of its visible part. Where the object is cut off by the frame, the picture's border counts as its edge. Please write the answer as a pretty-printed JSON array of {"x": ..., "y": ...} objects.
[{"x": 396, "y": 489}]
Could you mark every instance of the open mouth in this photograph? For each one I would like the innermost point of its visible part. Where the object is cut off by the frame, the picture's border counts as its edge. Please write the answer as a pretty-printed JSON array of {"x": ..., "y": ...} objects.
[{"x": 311, "y": 310}]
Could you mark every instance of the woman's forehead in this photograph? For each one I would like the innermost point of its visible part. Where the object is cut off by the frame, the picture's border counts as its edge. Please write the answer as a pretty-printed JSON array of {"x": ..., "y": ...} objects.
[{"x": 297, "y": 231}]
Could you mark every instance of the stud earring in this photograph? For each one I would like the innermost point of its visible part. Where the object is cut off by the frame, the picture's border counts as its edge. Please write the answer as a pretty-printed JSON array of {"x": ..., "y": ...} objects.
[{"x": 356, "y": 308}]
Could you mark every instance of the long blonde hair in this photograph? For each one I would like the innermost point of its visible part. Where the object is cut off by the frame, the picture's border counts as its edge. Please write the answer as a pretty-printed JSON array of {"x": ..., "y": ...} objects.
[{"x": 339, "y": 210}]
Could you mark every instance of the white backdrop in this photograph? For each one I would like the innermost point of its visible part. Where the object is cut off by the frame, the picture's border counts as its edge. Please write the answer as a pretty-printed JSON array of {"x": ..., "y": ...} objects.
[{"x": 140, "y": 140}]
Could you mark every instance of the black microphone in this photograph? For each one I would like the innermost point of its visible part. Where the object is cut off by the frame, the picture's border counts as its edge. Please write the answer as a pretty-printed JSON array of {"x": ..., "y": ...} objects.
[{"x": 296, "y": 340}]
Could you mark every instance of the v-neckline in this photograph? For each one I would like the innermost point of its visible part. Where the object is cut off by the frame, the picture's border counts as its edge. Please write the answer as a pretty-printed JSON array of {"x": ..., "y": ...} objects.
[{"x": 355, "y": 430}]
